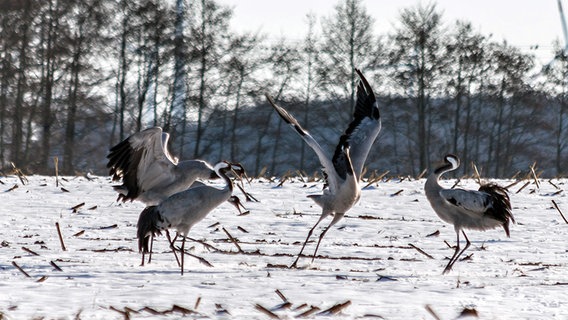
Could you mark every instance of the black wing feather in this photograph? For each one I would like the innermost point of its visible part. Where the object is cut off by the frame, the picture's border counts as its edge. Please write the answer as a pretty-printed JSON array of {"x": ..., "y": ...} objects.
[{"x": 363, "y": 109}]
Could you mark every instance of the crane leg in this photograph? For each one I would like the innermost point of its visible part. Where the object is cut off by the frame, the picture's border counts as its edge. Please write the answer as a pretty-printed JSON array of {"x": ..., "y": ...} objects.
[
  {"x": 182, "y": 253},
  {"x": 336, "y": 218},
  {"x": 172, "y": 245},
  {"x": 305, "y": 242},
  {"x": 151, "y": 248},
  {"x": 457, "y": 253}
]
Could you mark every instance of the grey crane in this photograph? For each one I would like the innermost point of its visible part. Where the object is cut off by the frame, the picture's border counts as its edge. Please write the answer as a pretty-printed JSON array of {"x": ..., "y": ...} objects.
[
  {"x": 483, "y": 209},
  {"x": 343, "y": 171},
  {"x": 183, "y": 210},
  {"x": 150, "y": 173}
]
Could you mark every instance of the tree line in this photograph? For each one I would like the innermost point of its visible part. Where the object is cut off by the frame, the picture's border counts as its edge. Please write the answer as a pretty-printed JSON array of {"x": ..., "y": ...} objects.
[{"x": 78, "y": 76}]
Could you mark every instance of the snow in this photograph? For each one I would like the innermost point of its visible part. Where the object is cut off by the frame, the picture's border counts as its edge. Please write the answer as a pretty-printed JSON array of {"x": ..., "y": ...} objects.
[{"x": 367, "y": 260}]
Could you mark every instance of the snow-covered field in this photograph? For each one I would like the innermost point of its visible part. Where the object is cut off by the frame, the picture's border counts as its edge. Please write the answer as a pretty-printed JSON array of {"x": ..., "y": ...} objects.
[{"x": 368, "y": 265}]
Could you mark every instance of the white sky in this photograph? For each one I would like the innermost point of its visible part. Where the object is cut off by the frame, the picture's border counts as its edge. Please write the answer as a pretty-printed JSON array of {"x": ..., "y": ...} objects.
[{"x": 523, "y": 23}]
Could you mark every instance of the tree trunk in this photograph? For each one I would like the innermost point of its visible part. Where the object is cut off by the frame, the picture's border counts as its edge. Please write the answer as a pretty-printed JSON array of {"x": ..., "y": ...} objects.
[
  {"x": 122, "y": 74},
  {"x": 17, "y": 117},
  {"x": 234, "y": 145}
]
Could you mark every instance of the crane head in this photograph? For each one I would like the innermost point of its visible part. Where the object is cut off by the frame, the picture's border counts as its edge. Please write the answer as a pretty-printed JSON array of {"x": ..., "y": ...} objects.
[{"x": 453, "y": 160}]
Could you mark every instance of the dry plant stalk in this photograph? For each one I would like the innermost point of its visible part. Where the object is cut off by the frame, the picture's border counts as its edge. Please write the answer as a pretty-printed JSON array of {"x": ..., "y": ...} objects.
[
  {"x": 282, "y": 180},
  {"x": 512, "y": 184},
  {"x": 477, "y": 175},
  {"x": 302, "y": 306},
  {"x": 197, "y": 302},
  {"x": 109, "y": 227},
  {"x": 301, "y": 175},
  {"x": 125, "y": 313},
  {"x": 308, "y": 312},
  {"x": 382, "y": 175},
  {"x": 434, "y": 234},
  {"x": 557, "y": 208},
  {"x": 375, "y": 179},
  {"x": 535, "y": 176},
  {"x": 555, "y": 186},
  {"x": 421, "y": 175},
  {"x": 336, "y": 308},
  {"x": 281, "y": 295},
  {"x": 60, "y": 237},
  {"x": 205, "y": 244},
  {"x": 79, "y": 233},
  {"x": 421, "y": 251},
  {"x": 262, "y": 172},
  {"x": 30, "y": 251},
  {"x": 56, "y": 163},
  {"x": 267, "y": 312},
  {"x": 182, "y": 310},
  {"x": 516, "y": 175},
  {"x": 233, "y": 240},
  {"x": 397, "y": 193},
  {"x": 524, "y": 186},
  {"x": 151, "y": 311},
  {"x": 55, "y": 266},
  {"x": 20, "y": 174},
  {"x": 75, "y": 208},
  {"x": 431, "y": 312},
  {"x": 20, "y": 269},
  {"x": 285, "y": 305}
]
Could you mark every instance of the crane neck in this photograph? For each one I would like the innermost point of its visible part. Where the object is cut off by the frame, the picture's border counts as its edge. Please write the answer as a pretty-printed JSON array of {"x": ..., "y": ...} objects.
[
  {"x": 432, "y": 181},
  {"x": 222, "y": 172}
]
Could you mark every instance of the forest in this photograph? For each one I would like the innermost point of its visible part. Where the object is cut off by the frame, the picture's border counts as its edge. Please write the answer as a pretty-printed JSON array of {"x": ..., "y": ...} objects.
[{"x": 78, "y": 76}]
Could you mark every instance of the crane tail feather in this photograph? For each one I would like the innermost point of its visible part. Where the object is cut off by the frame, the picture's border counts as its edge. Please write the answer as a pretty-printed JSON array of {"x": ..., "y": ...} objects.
[{"x": 147, "y": 226}]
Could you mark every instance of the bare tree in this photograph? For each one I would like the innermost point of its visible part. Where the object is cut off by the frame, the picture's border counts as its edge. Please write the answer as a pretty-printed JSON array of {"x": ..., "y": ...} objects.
[
  {"x": 176, "y": 117},
  {"x": 464, "y": 74},
  {"x": 23, "y": 27},
  {"x": 9, "y": 42},
  {"x": 348, "y": 43},
  {"x": 418, "y": 60},
  {"x": 89, "y": 17},
  {"x": 510, "y": 74},
  {"x": 285, "y": 64},
  {"x": 310, "y": 56},
  {"x": 209, "y": 34},
  {"x": 556, "y": 73},
  {"x": 244, "y": 61}
]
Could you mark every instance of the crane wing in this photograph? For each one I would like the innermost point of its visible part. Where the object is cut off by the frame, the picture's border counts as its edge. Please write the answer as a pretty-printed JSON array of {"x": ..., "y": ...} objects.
[
  {"x": 328, "y": 166},
  {"x": 361, "y": 132},
  {"x": 472, "y": 202},
  {"x": 141, "y": 161}
]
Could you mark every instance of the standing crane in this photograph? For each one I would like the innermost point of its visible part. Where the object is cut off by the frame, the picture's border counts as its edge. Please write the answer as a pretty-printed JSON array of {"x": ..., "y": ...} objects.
[
  {"x": 483, "y": 209},
  {"x": 183, "y": 210}
]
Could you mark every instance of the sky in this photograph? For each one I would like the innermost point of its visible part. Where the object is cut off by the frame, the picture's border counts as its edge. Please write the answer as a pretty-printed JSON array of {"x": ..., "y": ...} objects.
[{"x": 523, "y": 23}]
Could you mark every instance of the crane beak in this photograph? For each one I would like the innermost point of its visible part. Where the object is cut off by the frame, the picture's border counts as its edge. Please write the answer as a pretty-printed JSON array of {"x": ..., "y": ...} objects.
[{"x": 239, "y": 170}]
